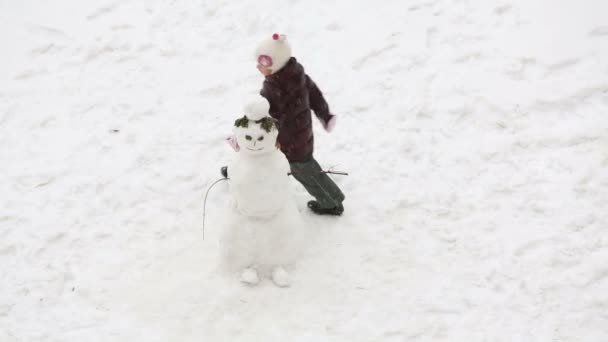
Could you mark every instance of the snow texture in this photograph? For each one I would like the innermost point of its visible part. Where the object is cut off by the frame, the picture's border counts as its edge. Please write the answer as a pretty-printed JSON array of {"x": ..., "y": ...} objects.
[{"x": 475, "y": 133}]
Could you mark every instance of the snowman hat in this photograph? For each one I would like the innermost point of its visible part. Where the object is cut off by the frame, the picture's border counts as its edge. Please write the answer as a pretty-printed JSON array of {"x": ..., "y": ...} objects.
[
  {"x": 274, "y": 52},
  {"x": 257, "y": 108}
]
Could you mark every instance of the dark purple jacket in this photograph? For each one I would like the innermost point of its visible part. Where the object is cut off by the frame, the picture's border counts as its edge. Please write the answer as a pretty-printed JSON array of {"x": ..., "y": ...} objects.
[{"x": 292, "y": 94}]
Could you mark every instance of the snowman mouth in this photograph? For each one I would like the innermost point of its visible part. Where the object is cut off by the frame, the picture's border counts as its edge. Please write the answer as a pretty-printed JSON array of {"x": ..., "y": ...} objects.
[{"x": 255, "y": 149}]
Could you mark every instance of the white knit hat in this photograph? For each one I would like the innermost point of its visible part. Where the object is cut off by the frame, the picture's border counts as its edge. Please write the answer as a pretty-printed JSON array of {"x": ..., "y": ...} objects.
[{"x": 273, "y": 53}]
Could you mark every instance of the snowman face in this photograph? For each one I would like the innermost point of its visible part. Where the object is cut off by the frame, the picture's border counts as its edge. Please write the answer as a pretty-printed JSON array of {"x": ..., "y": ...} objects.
[{"x": 254, "y": 140}]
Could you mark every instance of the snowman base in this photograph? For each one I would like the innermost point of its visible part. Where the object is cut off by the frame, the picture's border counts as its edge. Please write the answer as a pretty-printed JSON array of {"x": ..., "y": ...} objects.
[{"x": 262, "y": 247}]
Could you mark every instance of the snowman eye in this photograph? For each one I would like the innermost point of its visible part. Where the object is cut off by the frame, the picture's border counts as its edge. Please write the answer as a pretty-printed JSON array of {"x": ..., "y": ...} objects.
[
  {"x": 261, "y": 138},
  {"x": 248, "y": 137}
]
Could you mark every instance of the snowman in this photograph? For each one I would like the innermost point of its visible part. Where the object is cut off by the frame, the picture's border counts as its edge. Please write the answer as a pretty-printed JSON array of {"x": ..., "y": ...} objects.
[{"x": 264, "y": 227}]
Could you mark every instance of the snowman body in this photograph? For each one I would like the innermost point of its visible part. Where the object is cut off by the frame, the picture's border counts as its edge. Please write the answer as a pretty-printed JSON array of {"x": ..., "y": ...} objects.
[{"x": 264, "y": 228}]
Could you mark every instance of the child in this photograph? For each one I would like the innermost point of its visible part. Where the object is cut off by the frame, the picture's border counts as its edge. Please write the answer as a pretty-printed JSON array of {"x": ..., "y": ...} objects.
[{"x": 292, "y": 94}]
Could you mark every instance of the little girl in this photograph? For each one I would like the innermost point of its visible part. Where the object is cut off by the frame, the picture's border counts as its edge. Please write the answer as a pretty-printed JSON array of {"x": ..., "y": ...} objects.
[{"x": 292, "y": 94}]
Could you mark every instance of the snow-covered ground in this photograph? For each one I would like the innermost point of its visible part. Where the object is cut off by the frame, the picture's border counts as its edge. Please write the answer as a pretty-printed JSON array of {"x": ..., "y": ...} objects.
[{"x": 475, "y": 134}]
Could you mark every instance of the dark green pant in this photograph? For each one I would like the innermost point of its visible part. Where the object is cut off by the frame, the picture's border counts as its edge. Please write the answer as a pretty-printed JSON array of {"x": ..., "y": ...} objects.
[{"x": 318, "y": 184}]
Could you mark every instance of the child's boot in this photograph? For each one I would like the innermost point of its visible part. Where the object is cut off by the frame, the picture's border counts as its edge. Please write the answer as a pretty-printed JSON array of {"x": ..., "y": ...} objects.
[{"x": 316, "y": 208}]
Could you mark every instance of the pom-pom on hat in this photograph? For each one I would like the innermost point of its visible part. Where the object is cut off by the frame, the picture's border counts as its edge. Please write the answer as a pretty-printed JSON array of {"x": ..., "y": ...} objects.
[{"x": 274, "y": 52}]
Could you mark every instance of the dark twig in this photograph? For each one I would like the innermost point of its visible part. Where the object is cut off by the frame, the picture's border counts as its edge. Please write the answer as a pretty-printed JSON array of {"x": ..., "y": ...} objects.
[
  {"x": 330, "y": 172},
  {"x": 205, "y": 202}
]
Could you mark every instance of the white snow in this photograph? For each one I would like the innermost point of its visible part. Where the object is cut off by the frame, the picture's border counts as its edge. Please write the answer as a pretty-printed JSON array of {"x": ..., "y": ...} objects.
[{"x": 475, "y": 133}]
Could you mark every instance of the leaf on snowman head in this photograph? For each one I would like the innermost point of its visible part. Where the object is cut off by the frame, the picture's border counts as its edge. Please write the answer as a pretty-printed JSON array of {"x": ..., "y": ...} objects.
[
  {"x": 242, "y": 122},
  {"x": 267, "y": 123}
]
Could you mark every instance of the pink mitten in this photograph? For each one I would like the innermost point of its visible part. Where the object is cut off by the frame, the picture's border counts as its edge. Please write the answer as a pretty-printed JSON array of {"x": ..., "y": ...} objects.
[
  {"x": 329, "y": 126},
  {"x": 231, "y": 140}
]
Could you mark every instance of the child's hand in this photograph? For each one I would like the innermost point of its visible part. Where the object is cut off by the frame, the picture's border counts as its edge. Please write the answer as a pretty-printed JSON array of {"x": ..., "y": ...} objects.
[{"x": 330, "y": 124}]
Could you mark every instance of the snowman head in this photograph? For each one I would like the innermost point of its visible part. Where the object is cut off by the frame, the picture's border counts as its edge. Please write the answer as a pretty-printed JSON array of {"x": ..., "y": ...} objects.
[{"x": 256, "y": 132}]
